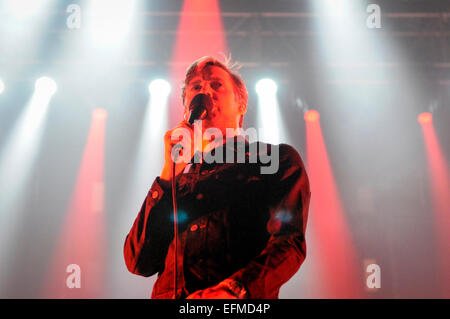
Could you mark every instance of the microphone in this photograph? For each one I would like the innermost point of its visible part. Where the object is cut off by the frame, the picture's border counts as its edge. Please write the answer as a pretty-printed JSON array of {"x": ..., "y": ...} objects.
[
  {"x": 199, "y": 107},
  {"x": 199, "y": 110}
]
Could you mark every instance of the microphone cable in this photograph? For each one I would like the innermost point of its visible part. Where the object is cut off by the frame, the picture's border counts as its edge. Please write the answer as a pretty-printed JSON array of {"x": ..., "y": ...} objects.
[
  {"x": 199, "y": 110},
  {"x": 175, "y": 220}
]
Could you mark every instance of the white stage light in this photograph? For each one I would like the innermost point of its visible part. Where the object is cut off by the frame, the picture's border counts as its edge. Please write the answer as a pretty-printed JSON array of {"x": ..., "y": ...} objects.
[
  {"x": 266, "y": 87},
  {"x": 159, "y": 92},
  {"x": 269, "y": 118},
  {"x": 150, "y": 143},
  {"x": 2, "y": 86},
  {"x": 110, "y": 20},
  {"x": 18, "y": 157},
  {"x": 159, "y": 87},
  {"x": 20, "y": 9},
  {"x": 45, "y": 86}
]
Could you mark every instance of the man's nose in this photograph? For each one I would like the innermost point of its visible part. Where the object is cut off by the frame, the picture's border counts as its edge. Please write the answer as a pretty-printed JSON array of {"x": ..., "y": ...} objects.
[{"x": 206, "y": 90}]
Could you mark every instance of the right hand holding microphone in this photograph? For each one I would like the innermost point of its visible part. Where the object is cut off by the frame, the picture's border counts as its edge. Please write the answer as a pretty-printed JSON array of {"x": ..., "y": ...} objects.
[
  {"x": 178, "y": 144},
  {"x": 183, "y": 136}
]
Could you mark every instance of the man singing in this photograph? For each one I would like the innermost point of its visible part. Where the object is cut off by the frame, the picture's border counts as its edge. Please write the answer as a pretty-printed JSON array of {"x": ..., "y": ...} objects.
[{"x": 242, "y": 211}]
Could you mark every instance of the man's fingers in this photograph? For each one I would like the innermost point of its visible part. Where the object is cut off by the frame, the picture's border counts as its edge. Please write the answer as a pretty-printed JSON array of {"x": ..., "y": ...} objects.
[{"x": 175, "y": 135}]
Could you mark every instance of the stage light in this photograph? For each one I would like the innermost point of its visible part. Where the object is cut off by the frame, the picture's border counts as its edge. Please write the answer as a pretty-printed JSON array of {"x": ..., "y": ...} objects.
[
  {"x": 269, "y": 117},
  {"x": 149, "y": 144},
  {"x": 336, "y": 260},
  {"x": 157, "y": 110},
  {"x": 159, "y": 87},
  {"x": 198, "y": 34},
  {"x": 20, "y": 9},
  {"x": 45, "y": 86},
  {"x": 425, "y": 117},
  {"x": 2, "y": 86},
  {"x": 99, "y": 114},
  {"x": 311, "y": 116},
  {"x": 439, "y": 177},
  {"x": 18, "y": 158},
  {"x": 110, "y": 20},
  {"x": 266, "y": 87},
  {"x": 82, "y": 238}
]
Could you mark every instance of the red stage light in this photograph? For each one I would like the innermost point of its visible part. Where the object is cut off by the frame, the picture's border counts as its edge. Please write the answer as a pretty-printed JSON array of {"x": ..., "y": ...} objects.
[
  {"x": 439, "y": 187},
  {"x": 335, "y": 257},
  {"x": 425, "y": 117},
  {"x": 200, "y": 32},
  {"x": 82, "y": 239},
  {"x": 99, "y": 114},
  {"x": 312, "y": 116}
]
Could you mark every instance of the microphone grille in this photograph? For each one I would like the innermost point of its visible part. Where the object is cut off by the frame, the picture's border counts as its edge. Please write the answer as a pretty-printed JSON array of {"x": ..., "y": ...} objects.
[{"x": 201, "y": 99}]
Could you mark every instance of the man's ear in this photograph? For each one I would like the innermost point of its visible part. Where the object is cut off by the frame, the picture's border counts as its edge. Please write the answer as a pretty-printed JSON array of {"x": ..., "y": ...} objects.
[{"x": 242, "y": 108}]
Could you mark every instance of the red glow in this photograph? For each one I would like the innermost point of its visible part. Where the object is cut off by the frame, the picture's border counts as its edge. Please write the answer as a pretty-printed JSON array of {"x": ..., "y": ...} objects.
[
  {"x": 99, "y": 114},
  {"x": 82, "y": 239},
  {"x": 440, "y": 192},
  {"x": 200, "y": 33},
  {"x": 425, "y": 117},
  {"x": 311, "y": 116},
  {"x": 338, "y": 269}
]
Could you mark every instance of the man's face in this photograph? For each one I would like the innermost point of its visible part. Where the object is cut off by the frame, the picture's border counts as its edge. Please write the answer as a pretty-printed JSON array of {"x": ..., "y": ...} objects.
[{"x": 218, "y": 84}]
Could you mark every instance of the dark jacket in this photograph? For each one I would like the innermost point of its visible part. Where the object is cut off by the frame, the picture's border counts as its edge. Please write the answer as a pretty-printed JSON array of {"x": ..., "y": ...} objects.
[{"x": 234, "y": 222}]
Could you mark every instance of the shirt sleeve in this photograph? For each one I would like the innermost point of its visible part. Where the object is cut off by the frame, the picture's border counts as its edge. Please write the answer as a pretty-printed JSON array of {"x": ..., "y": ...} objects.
[
  {"x": 147, "y": 242},
  {"x": 286, "y": 247}
]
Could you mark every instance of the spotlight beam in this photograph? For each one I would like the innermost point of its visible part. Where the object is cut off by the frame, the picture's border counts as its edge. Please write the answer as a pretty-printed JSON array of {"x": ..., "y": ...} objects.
[
  {"x": 191, "y": 44},
  {"x": 440, "y": 197},
  {"x": 17, "y": 160},
  {"x": 336, "y": 261},
  {"x": 82, "y": 239},
  {"x": 269, "y": 117},
  {"x": 147, "y": 163}
]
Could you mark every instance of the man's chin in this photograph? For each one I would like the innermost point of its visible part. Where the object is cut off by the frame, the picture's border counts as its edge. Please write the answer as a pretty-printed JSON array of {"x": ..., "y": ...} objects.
[{"x": 210, "y": 123}]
